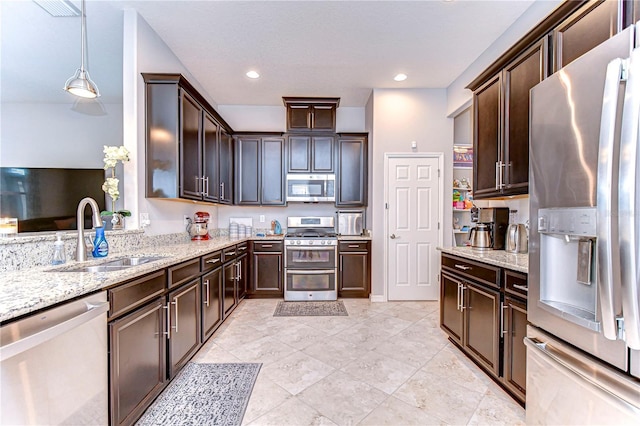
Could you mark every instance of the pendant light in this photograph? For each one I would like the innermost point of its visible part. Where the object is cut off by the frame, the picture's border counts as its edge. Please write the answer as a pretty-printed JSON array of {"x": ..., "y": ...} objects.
[{"x": 80, "y": 83}]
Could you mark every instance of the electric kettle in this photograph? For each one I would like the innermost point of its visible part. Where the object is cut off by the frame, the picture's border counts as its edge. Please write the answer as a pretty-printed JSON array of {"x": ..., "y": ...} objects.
[
  {"x": 517, "y": 239},
  {"x": 480, "y": 237}
]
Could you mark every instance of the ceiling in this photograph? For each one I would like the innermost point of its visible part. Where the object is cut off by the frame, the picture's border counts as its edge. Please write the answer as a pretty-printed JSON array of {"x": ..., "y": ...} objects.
[{"x": 300, "y": 48}]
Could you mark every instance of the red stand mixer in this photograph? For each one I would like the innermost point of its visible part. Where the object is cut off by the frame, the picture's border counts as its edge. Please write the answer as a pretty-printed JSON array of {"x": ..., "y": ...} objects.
[{"x": 199, "y": 228}]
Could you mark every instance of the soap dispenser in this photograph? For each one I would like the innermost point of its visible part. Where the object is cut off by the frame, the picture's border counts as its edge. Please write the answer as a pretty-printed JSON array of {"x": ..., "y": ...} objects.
[
  {"x": 59, "y": 256},
  {"x": 100, "y": 245}
]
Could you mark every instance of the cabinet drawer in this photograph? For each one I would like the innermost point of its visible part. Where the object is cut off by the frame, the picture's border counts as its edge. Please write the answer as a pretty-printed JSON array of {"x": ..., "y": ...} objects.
[
  {"x": 184, "y": 272},
  {"x": 211, "y": 261},
  {"x": 135, "y": 293},
  {"x": 229, "y": 253},
  {"x": 486, "y": 274},
  {"x": 267, "y": 246},
  {"x": 353, "y": 246},
  {"x": 516, "y": 283},
  {"x": 242, "y": 248}
]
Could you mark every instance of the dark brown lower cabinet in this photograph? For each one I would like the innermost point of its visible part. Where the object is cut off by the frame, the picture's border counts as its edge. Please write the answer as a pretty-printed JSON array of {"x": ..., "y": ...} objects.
[
  {"x": 137, "y": 363},
  {"x": 354, "y": 269},
  {"x": 242, "y": 275},
  {"x": 211, "y": 306},
  {"x": 450, "y": 312},
  {"x": 184, "y": 335},
  {"x": 229, "y": 288},
  {"x": 515, "y": 352},
  {"x": 266, "y": 269},
  {"x": 481, "y": 308}
]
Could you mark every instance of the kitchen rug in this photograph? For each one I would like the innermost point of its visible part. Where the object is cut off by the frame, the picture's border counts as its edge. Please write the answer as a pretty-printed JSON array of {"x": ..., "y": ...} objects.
[
  {"x": 311, "y": 309},
  {"x": 204, "y": 394}
]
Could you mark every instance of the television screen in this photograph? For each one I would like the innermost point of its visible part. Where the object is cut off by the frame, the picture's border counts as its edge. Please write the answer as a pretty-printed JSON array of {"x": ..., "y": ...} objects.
[{"x": 47, "y": 199}]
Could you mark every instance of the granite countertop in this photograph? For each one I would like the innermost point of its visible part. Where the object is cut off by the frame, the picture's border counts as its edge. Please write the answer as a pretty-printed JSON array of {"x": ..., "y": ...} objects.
[
  {"x": 354, "y": 237},
  {"x": 513, "y": 261},
  {"x": 28, "y": 290}
]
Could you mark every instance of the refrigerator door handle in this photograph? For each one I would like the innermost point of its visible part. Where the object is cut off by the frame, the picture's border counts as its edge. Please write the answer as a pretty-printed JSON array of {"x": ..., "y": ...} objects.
[
  {"x": 627, "y": 202},
  {"x": 607, "y": 250}
]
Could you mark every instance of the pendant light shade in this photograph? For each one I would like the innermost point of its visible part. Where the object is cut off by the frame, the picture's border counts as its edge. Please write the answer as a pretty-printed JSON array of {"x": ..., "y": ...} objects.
[{"x": 80, "y": 83}]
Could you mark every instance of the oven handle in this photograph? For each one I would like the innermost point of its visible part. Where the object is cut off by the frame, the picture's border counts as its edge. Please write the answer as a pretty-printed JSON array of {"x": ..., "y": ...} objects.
[
  {"x": 311, "y": 248},
  {"x": 311, "y": 272}
]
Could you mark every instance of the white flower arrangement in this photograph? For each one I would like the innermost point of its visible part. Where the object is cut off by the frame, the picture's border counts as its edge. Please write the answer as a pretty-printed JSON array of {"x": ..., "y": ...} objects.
[{"x": 113, "y": 154}]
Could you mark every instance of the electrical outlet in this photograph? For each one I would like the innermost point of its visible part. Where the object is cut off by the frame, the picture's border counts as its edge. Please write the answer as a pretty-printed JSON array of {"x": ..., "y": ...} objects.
[
  {"x": 261, "y": 218},
  {"x": 185, "y": 219}
]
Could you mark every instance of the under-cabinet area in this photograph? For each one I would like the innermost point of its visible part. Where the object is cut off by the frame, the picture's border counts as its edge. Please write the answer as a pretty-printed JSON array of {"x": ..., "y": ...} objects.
[{"x": 483, "y": 309}]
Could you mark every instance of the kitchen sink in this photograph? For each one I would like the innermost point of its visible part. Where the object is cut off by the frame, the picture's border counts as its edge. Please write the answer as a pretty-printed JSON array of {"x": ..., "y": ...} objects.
[{"x": 113, "y": 265}]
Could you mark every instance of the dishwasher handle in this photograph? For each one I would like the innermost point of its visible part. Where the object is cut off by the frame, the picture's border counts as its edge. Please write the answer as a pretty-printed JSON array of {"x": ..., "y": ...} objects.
[{"x": 24, "y": 344}]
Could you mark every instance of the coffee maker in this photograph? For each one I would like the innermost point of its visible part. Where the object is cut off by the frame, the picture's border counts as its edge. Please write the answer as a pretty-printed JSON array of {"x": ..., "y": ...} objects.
[{"x": 491, "y": 228}]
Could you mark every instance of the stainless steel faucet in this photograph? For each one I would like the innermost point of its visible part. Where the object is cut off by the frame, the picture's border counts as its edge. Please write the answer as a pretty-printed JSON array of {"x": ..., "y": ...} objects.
[{"x": 81, "y": 247}]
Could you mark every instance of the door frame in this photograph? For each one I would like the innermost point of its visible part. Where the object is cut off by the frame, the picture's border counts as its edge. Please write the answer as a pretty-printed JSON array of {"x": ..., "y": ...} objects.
[{"x": 410, "y": 155}]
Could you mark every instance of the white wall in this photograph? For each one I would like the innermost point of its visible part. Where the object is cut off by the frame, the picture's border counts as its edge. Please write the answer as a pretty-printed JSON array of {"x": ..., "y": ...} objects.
[
  {"x": 55, "y": 135},
  {"x": 457, "y": 95},
  {"x": 145, "y": 51},
  {"x": 398, "y": 117}
]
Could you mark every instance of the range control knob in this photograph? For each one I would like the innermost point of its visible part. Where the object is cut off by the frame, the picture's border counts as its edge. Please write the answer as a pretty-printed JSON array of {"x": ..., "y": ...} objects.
[
  {"x": 298, "y": 242},
  {"x": 323, "y": 242},
  {"x": 310, "y": 242}
]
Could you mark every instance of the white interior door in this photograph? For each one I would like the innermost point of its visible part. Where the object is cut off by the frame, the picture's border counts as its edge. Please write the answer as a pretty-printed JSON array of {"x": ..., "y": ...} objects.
[{"x": 414, "y": 193}]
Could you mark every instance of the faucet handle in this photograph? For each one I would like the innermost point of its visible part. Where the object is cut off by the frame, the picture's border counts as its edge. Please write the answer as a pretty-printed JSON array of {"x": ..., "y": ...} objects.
[{"x": 88, "y": 244}]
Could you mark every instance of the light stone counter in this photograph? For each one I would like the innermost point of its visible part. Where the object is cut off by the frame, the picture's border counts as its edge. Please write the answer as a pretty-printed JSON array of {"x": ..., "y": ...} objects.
[
  {"x": 354, "y": 237},
  {"x": 516, "y": 262},
  {"x": 34, "y": 288}
]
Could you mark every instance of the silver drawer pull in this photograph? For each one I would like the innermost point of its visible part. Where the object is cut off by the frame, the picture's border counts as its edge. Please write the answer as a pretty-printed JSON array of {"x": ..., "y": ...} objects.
[
  {"x": 231, "y": 253},
  {"x": 266, "y": 245},
  {"x": 354, "y": 245},
  {"x": 463, "y": 267},
  {"x": 521, "y": 287},
  {"x": 216, "y": 260}
]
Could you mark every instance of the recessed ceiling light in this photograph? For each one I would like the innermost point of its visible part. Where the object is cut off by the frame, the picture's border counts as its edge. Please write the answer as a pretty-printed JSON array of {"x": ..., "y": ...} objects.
[
  {"x": 252, "y": 74},
  {"x": 400, "y": 77}
]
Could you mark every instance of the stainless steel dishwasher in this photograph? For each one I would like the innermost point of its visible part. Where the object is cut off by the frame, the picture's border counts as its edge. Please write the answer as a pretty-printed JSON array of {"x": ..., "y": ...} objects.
[{"x": 54, "y": 365}]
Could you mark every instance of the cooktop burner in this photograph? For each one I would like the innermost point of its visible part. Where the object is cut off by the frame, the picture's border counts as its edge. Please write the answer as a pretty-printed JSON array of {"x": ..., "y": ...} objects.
[{"x": 311, "y": 233}]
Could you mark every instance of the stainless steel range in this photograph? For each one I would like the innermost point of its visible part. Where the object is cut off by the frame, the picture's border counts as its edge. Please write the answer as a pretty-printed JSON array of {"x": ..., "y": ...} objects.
[{"x": 311, "y": 258}]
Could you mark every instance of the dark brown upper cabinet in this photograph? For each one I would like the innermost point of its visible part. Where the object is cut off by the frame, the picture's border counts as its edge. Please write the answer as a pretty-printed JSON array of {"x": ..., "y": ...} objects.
[
  {"x": 589, "y": 26},
  {"x": 351, "y": 170},
  {"x": 311, "y": 114},
  {"x": 259, "y": 170},
  {"x": 310, "y": 154},
  {"x": 188, "y": 144},
  {"x": 501, "y": 129}
]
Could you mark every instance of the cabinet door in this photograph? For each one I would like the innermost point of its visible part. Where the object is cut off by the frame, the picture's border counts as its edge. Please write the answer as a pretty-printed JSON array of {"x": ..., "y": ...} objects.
[
  {"x": 210, "y": 158},
  {"x": 184, "y": 336},
  {"x": 211, "y": 303},
  {"x": 322, "y": 154},
  {"x": 487, "y": 138},
  {"x": 481, "y": 325},
  {"x": 272, "y": 182},
  {"x": 137, "y": 363},
  {"x": 519, "y": 77},
  {"x": 299, "y": 154},
  {"x": 247, "y": 180},
  {"x": 351, "y": 173},
  {"x": 226, "y": 168},
  {"x": 591, "y": 25},
  {"x": 242, "y": 277},
  {"x": 229, "y": 288},
  {"x": 515, "y": 353},
  {"x": 266, "y": 273},
  {"x": 450, "y": 312},
  {"x": 190, "y": 148},
  {"x": 323, "y": 118},
  {"x": 354, "y": 275},
  {"x": 298, "y": 117}
]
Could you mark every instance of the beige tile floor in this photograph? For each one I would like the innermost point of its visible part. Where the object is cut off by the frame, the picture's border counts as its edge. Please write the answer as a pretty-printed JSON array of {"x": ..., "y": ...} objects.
[{"x": 384, "y": 364}]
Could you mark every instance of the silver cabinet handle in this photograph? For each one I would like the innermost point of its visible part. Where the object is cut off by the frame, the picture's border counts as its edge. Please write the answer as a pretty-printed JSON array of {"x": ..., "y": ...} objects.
[
  {"x": 463, "y": 267},
  {"x": 462, "y": 289},
  {"x": 521, "y": 287},
  {"x": 502, "y": 314},
  {"x": 175, "y": 303},
  {"x": 205, "y": 182},
  {"x": 354, "y": 246},
  {"x": 206, "y": 285},
  {"x": 393, "y": 236},
  {"x": 221, "y": 190},
  {"x": 279, "y": 263},
  {"x": 216, "y": 260},
  {"x": 458, "y": 301},
  {"x": 168, "y": 332},
  {"x": 231, "y": 253},
  {"x": 266, "y": 245}
]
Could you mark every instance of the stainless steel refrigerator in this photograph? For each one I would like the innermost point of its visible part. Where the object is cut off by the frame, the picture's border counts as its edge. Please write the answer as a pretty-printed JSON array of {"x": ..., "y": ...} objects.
[{"x": 583, "y": 341}]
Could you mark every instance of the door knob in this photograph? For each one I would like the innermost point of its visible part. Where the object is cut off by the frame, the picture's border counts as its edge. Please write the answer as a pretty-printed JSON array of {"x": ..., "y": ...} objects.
[{"x": 393, "y": 236}]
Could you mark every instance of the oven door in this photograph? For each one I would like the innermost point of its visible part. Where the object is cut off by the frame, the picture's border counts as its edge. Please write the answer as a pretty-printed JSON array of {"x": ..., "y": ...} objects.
[
  {"x": 310, "y": 257},
  {"x": 317, "y": 284}
]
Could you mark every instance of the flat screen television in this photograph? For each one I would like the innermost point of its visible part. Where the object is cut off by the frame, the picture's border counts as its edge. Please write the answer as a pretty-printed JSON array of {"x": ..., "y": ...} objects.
[{"x": 46, "y": 199}]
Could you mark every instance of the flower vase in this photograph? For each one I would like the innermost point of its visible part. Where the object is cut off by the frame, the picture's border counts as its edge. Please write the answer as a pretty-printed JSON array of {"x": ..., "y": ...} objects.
[{"x": 117, "y": 220}]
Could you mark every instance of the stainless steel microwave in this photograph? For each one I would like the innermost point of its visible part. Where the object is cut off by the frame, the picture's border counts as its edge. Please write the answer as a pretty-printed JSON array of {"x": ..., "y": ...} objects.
[{"x": 311, "y": 188}]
